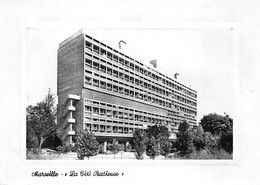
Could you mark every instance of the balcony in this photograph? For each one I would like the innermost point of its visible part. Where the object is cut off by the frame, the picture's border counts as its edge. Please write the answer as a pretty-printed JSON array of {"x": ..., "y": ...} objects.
[
  {"x": 71, "y": 120},
  {"x": 71, "y": 132},
  {"x": 74, "y": 97},
  {"x": 71, "y": 108}
]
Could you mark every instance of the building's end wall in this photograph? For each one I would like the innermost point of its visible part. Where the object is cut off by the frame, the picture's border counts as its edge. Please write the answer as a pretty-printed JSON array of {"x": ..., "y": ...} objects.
[{"x": 70, "y": 81}]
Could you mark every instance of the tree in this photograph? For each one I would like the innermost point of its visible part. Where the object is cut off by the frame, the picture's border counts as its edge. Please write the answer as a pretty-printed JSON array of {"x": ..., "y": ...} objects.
[
  {"x": 86, "y": 144},
  {"x": 224, "y": 127},
  {"x": 115, "y": 147},
  {"x": 152, "y": 147},
  {"x": 185, "y": 139},
  {"x": 139, "y": 139},
  {"x": 41, "y": 118},
  {"x": 156, "y": 136},
  {"x": 213, "y": 121},
  {"x": 165, "y": 148},
  {"x": 198, "y": 137}
]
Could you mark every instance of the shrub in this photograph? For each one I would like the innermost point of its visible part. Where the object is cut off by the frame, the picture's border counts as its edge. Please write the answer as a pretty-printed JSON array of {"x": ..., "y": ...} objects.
[
  {"x": 59, "y": 148},
  {"x": 86, "y": 145},
  {"x": 210, "y": 154},
  {"x": 226, "y": 141},
  {"x": 68, "y": 148},
  {"x": 109, "y": 147}
]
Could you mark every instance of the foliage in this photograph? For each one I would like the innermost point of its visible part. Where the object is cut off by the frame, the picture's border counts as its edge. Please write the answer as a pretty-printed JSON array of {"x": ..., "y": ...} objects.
[
  {"x": 165, "y": 148},
  {"x": 211, "y": 142},
  {"x": 139, "y": 139},
  {"x": 210, "y": 154},
  {"x": 185, "y": 139},
  {"x": 198, "y": 137},
  {"x": 86, "y": 145},
  {"x": 41, "y": 119},
  {"x": 115, "y": 147},
  {"x": 212, "y": 121},
  {"x": 109, "y": 147},
  {"x": 152, "y": 147},
  {"x": 59, "y": 148},
  {"x": 224, "y": 127},
  {"x": 68, "y": 148},
  {"x": 31, "y": 141},
  {"x": 157, "y": 140},
  {"x": 158, "y": 132},
  {"x": 226, "y": 141},
  {"x": 101, "y": 149},
  {"x": 122, "y": 147}
]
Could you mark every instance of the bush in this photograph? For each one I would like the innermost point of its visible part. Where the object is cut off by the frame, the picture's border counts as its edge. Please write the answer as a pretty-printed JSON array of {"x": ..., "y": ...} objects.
[
  {"x": 59, "y": 148},
  {"x": 68, "y": 148},
  {"x": 109, "y": 147},
  {"x": 226, "y": 141},
  {"x": 210, "y": 154},
  {"x": 86, "y": 145}
]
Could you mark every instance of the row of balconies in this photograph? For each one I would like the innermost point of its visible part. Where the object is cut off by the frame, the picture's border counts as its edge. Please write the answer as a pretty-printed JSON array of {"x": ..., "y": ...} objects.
[
  {"x": 123, "y": 76},
  {"x": 113, "y": 110},
  {"x": 116, "y": 113},
  {"x": 68, "y": 112},
  {"x": 145, "y": 72},
  {"x": 131, "y": 93},
  {"x": 102, "y": 82},
  {"x": 126, "y": 117},
  {"x": 109, "y": 129}
]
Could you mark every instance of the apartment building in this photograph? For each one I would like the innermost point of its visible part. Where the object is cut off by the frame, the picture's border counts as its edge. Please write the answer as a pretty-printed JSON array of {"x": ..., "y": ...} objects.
[{"x": 111, "y": 94}]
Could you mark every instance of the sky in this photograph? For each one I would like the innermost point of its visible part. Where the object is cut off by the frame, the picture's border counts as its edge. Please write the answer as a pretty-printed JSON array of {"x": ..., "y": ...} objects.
[{"x": 203, "y": 56}]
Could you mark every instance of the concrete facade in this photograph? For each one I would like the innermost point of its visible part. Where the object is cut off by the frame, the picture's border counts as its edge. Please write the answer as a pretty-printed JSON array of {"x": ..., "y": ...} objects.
[{"x": 111, "y": 94}]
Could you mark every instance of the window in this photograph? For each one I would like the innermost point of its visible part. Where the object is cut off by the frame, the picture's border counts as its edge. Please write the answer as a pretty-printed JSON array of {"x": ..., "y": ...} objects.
[
  {"x": 103, "y": 68},
  {"x": 103, "y": 52},
  {"x": 103, "y": 85},
  {"x": 109, "y": 71},
  {"x": 88, "y": 63},
  {"x": 88, "y": 45},
  {"x": 95, "y": 83},
  {"x": 121, "y": 90},
  {"x": 96, "y": 49},
  {"x": 115, "y": 88},
  {"x": 88, "y": 80},
  {"x": 95, "y": 111},
  {"x": 121, "y": 61},
  {"x": 95, "y": 66},
  {"x": 109, "y": 87}
]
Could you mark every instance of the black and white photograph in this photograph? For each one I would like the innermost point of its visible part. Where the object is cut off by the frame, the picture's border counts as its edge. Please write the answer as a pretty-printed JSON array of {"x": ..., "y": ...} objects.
[{"x": 130, "y": 92}]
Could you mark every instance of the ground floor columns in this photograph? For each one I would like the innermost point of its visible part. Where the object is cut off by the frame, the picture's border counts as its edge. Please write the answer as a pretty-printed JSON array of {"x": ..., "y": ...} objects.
[
  {"x": 105, "y": 146},
  {"x": 126, "y": 145}
]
